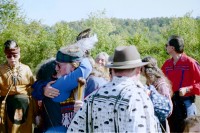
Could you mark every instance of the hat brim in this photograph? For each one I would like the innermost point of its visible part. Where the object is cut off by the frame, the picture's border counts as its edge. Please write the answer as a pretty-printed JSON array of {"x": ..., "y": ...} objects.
[{"x": 127, "y": 66}]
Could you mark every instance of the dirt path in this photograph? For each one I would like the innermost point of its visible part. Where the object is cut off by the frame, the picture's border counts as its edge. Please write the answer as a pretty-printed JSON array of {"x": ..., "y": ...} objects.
[{"x": 198, "y": 104}]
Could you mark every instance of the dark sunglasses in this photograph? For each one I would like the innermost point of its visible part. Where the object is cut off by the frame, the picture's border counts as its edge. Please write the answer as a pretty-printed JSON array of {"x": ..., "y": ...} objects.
[{"x": 12, "y": 55}]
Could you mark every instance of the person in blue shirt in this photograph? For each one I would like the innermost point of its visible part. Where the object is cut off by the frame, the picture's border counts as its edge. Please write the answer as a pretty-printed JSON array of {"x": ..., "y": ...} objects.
[
  {"x": 70, "y": 64},
  {"x": 67, "y": 61},
  {"x": 96, "y": 79}
]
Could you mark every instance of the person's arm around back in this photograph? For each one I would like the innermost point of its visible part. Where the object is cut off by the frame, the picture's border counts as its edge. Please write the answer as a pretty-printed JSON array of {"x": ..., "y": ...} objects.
[{"x": 67, "y": 83}]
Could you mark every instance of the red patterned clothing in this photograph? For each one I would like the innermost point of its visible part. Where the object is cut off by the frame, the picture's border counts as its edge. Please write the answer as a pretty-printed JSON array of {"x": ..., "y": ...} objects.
[
  {"x": 186, "y": 72},
  {"x": 67, "y": 109}
]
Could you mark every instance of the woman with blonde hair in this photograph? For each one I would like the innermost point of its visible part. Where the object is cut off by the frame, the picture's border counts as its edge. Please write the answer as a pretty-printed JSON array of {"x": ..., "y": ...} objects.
[
  {"x": 155, "y": 77},
  {"x": 101, "y": 60},
  {"x": 96, "y": 79}
]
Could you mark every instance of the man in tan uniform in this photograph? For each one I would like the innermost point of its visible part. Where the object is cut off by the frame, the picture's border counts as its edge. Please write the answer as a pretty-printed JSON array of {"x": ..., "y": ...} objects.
[{"x": 15, "y": 86}]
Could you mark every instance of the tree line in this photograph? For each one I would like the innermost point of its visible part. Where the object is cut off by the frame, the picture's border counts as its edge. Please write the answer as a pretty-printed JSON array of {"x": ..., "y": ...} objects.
[{"x": 39, "y": 42}]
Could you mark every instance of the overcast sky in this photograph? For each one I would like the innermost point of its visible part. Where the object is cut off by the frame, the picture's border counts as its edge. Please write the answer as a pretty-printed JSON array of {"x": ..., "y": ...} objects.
[{"x": 52, "y": 11}]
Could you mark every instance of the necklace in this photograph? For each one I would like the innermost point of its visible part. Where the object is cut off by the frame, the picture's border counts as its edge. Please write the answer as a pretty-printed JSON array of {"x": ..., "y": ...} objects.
[{"x": 14, "y": 75}]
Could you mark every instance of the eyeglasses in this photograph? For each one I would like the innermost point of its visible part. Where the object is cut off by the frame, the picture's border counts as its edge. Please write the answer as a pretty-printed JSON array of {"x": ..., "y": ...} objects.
[
  {"x": 59, "y": 65},
  {"x": 12, "y": 55}
]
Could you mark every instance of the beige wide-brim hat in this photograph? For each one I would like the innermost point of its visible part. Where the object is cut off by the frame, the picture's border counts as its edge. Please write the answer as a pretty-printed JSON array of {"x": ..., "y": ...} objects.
[{"x": 126, "y": 57}]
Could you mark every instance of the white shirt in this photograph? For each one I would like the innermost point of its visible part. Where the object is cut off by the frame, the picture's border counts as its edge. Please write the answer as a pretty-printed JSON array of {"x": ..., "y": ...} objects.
[{"x": 120, "y": 106}]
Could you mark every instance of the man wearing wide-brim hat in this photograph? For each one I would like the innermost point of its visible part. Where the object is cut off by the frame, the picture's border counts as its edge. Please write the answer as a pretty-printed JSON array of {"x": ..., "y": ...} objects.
[{"x": 121, "y": 105}]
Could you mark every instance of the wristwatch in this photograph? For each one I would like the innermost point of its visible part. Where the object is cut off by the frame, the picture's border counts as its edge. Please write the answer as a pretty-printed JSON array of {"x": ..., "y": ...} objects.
[{"x": 187, "y": 90}]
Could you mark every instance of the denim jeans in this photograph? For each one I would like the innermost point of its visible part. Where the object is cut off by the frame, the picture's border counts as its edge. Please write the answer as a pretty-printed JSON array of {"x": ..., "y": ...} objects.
[{"x": 191, "y": 108}]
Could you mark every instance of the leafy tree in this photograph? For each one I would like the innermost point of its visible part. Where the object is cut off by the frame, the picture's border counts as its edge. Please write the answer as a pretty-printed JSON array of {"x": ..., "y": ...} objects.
[
  {"x": 9, "y": 13},
  {"x": 10, "y": 18},
  {"x": 188, "y": 28},
  {"x": 39, "y": 42},
  {"x": 102, "y": 26},
  {"x": 64, "y": 35}
]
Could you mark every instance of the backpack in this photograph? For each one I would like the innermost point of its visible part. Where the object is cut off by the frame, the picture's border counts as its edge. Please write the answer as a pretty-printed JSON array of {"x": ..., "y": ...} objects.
[{"x": 161, "y": 104}]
